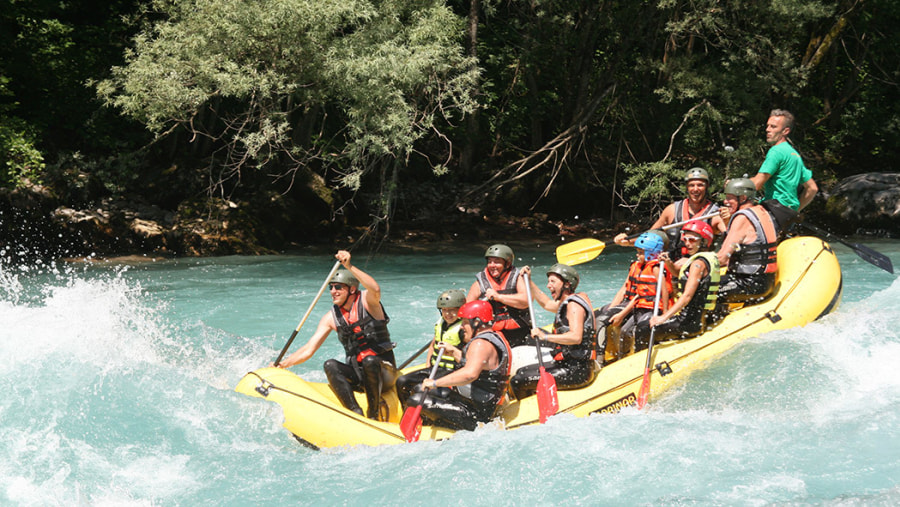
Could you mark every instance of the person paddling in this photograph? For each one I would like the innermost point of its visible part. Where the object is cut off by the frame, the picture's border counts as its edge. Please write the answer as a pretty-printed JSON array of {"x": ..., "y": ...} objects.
[
  {"x": 573, "y": 336},
  {"x": 500, "y": 284},
  {"x": 473, "y": 393},
  {"x": 698, "y": 285},
  {"x": 448, "y": 334},
  {"x": 360, "y": 321}
]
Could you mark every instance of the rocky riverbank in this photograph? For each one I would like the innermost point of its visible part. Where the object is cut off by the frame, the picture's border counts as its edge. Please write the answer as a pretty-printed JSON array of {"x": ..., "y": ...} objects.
[{"x": 34, "y": 224}]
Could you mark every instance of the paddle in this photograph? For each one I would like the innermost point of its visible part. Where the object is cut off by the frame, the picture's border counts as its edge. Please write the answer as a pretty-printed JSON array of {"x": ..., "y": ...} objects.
[
  {"x": 411, "y": 423},
  {"x": 645, "y": 385},
  {"x": 548, "y": 403},
  {"x": 417, "y": 354},
  {"x": 287, "y": 345},
  {"x": 587, "y": 249},
  {"x": 867, "y": 254}
]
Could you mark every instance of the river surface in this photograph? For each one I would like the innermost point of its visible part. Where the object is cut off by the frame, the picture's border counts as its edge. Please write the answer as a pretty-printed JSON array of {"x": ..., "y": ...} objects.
[{"x": 118, "y": 379}]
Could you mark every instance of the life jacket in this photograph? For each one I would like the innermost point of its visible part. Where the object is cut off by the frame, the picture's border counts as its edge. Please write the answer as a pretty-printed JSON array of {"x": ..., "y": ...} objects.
[
  {"x": 642, "y": 284},
  {"x": 761, "y": 256},
  {"x": 488, "y": 389},
  {"x": 683, "y": 214},
  {"x": 360, "y": 333},
  {"x": 504, "y": 316},
  {"x": 587, "y": 349},
  {"x": 708, "y": 290},
  {"x": 450, "y": 334}
]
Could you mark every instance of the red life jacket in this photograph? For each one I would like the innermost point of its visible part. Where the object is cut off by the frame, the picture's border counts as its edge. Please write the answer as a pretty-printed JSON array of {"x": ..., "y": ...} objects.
[{"x": 643, "y": 282}]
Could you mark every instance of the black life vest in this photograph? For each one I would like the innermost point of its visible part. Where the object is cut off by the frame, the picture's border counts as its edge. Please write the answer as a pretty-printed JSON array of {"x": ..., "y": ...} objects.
[
  {"x": 587, "y": 349},
  {"x": 360, "y": 333},
  {"x": 705, "y": 297},
  {"x": 488, "y": 389},
  {"x": 505, "y": 317}
]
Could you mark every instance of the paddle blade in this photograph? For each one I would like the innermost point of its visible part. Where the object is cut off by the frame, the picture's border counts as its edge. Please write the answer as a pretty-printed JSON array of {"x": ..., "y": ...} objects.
[
  {"x": 579, "y": 251},
  {"x": 411, "y": 423},
  {"x": 874, "y": 258},
  {"x": 645, "y": 389},
  {"x": 548, "y": 402}
]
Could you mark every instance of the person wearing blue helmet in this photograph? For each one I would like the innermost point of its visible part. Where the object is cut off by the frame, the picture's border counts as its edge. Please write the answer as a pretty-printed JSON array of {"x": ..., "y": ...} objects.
[{"x": 634, "y": 301}]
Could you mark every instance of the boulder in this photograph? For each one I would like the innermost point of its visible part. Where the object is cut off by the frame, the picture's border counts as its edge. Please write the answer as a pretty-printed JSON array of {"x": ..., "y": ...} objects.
[{"x": 868, "y": 202}]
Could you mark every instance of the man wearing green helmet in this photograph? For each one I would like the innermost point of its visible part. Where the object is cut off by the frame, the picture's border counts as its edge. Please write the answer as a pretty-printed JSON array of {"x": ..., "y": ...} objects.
[
  {"x": 750, "y": 246},
  {"x": 448, "y": 334},
  {"x": 573, "y": 337},
  {"x": 697, "y": 203},
  {"x": 360, "y": 322},
  {"x": 500, "y": 284},
  {"x": 783, "y": 172}
]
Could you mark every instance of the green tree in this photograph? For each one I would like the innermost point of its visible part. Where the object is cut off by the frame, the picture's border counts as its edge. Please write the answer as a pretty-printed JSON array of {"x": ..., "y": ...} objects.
[{"x": 345, "y": 88}]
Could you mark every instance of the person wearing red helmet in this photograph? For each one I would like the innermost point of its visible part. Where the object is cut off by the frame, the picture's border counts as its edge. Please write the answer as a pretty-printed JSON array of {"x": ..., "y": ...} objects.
[
  {"x": 472, "y": 393},
  {"x": 698, "y": 285}
]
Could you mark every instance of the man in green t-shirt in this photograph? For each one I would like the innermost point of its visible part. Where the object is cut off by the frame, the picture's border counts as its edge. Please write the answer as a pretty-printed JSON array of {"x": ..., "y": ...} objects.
[{"x": 782, "y": 175}]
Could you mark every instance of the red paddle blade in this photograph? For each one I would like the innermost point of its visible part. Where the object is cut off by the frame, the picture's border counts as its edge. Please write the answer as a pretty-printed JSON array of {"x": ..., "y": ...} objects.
[
  {"x": 645, "y": 389},
  {"x": 548, "y": 403},
  {"x": 411, "y": 423}
]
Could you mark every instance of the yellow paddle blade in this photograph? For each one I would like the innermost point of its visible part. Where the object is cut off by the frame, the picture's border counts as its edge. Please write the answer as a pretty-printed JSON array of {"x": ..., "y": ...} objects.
[{"x": 579, "y": 251}]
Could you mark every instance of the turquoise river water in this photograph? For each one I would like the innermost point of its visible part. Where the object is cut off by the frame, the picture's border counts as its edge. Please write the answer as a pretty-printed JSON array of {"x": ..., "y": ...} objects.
[{"x": 118, "y": 379}]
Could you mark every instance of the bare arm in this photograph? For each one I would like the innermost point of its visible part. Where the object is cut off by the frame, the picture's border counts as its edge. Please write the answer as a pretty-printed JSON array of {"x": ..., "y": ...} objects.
[
  {"x": 576, "y": 315},
  {"x": 760, "y": 180},
  {"x": 810, "y": 189},
  {"x": 735, "y": 237},
  {"x": 481, "y": 355},
  {"x": 326, "y": 325},
  {"x": 696, "y": 273}
]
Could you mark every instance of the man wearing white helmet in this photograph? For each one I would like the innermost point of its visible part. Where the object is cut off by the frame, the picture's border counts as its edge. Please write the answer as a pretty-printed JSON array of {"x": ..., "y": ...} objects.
[{"x": 697, "y": 203}]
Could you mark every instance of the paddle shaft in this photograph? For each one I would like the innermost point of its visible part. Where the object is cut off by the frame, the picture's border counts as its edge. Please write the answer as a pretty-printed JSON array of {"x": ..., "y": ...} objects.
[
  {"x": 537, "y": 343},
  {"x": 414, "y": 356},
  {"x": 309, "y": 310},
  {"x": 679, "y": 224},
  {"x": 645, "y": 385}
]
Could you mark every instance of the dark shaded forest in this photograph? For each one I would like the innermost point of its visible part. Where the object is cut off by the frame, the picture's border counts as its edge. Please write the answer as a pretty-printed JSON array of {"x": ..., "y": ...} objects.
[{"x": 270, "y": 124}]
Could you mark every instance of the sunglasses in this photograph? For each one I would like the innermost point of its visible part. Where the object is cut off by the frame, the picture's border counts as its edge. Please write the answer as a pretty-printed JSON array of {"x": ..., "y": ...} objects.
[{"x": 336, "y": 286}]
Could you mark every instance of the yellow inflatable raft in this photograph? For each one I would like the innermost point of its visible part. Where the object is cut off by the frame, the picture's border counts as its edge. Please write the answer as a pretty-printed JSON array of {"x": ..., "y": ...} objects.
[{"x": 808, "y": 287}]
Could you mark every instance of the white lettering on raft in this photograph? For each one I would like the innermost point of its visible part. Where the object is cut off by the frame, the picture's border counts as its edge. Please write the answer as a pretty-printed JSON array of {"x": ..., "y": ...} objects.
[{"x": 617, "y": 405}]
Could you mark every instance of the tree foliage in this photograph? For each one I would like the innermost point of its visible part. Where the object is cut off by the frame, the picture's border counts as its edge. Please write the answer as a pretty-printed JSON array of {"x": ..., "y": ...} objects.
[
  {"x": 287, "y": 85},
  {"x": 567, "y": 107}
]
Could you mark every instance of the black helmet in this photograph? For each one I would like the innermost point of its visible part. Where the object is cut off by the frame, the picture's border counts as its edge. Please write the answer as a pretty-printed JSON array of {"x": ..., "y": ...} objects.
[
  {"x": 501, "y": 252},
  {"x": 453, "y": 298},
  {"x": 567, "y": 273}
]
